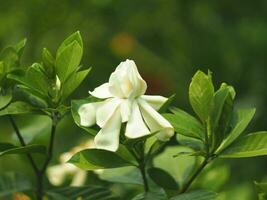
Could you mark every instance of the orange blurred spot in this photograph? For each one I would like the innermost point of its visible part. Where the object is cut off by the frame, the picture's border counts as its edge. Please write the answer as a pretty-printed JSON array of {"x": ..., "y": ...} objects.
[
  {"x": 122, "y": 44},
  {"x": 20, "y": 196}
]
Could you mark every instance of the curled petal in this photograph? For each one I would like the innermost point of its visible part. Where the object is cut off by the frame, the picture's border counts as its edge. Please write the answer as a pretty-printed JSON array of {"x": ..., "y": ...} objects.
[
  {"x": 136, "y": 127},
  {"x": 106, "y": 110},
  {"x": 154, "y": 101},
  {"x": 87, "y": 113},
  {"x": 108, "y": 137},
  {"x": 155, "y": 121},
  {"x": 102, "y": 92}
]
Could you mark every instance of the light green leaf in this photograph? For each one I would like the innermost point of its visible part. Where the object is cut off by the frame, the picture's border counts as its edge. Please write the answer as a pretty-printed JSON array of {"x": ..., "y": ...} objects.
[
  {"x": 201, "y": 93},
  {"x": 241, "y": 120},
  {"x": 10, "y": 58},
  {"x": 92, "y": 159},
  {"x": 185, "y": 124},
  {"x": 49, "y": 63},
  {"x": 73, "y": 37},
  {"x": 254, "y": 144},
  {"x": 162, "y": 178},
  {"x": 5, "y": 98},
  {"x": 68, "y": 60},
  {"x": 152, "y": 195},
  {"x": 73, "y": 82},
  {"x": 6, "y": 148},
  {"x": 196, "y": 195},
  {"x": 20, "y": 46},
  {"x": 17, "y": 108},
  {"x": 84, "y": 192}
]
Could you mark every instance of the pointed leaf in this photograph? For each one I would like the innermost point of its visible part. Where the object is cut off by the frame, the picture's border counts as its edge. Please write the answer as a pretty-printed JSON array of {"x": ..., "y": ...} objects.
[
  {"x": 92, "y": 159},
  {"x": 185, "y": 124},
  {"x": 167, "y": 104},
  {"x": 6, "y": 148},
  {"x": 73, "y": 37},
  {"x": 254, "y": 144},
  {"x": 17, "y": 108},
  {"x": 201, "y": 93},
  {"x": 196, "y": 195},
  {"x": 241, "y": 120}
]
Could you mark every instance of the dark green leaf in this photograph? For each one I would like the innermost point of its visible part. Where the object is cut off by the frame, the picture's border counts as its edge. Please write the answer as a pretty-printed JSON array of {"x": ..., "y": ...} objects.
[
  {"x": 5, "y": 98},
  {"x": 185, "y": 124},
  {"x": 162, "y": 178},
  {"x": 167, "y": 104},
  {"x": 152, "y": 195},
  {"x": 11, "y": 183},
  {"x": 6, "y": 148},
  {"x": 91, "y": 159},
  {"x": 196, "y": 195},
  {"x": 241, "y": 120},
  {"x": 201, "y": 93},
  {"x": 49, "y": 63},
  {"x": 254, "y": 144}
]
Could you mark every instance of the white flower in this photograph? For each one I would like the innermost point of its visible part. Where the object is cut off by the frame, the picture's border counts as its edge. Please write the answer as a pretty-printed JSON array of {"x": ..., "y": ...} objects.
[{"x": 124, "y": 102}]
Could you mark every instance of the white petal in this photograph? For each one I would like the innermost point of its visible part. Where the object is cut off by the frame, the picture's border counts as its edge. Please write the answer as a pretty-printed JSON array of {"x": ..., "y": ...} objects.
[
  {"x": 108, "y": 137},
  {"x": 102, "y": 92},
  {"x": 87, "y": 113},
  {"x": 136, "y": 127},
  {"x": 106, "y": 110},
  {"x": 126, "y": 109},
  {"x": 79, "y": 178},
  {"x": 154, "y": 101},
  {"x": 155, "y": 121}
]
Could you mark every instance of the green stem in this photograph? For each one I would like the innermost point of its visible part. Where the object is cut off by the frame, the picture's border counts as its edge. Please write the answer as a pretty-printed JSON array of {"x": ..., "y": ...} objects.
[
  {"x": 142, "y": 168},
  {"x": 195, "y": 175},
  {"x": 22, "y": 142},
  {"x": 40, "y": 187}
]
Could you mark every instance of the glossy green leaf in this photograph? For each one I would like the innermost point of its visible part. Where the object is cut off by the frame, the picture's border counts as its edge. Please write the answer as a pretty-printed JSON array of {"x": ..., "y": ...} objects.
[
  {"x": 240, "y": 121},
  {"x": 89, "y": 192},
  {"x": 254, "y": 144},
  {"x": 73, "y": 37},
  {"x": 162, "y": 178},
  {"x": 73, "y": 82},
  {"x": 92, "y": 159},
  {"x": 6, "y": 148},
  {"x": 185, "y": 124},
  {"x": 201, "y": 93},
  {"x": 196, "y": 195},
  {"x": 68, "y": 60},
  {"x": 17, "y": 108}
]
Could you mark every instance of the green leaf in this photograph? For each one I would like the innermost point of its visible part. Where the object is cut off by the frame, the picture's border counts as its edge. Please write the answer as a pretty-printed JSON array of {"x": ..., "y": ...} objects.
[
  {"x": 5, "y": 98},
  {"x": 49, "y": 63},
  {"x": 185, "y": 124},
  {"x": 73, "y": 82},
  {"x": 75, "y": 105},
  {"x": 126, "y": 175},
  {"x": 10, "y": 58},
  {"x": 254, "y": 144},
  {"x": 163, "y": 178},
  {"x": 92, "y": 159},
  {"x": 68, "y": 60},
  {"x": 17, "y": 108},
  {"x": 6, "y": 148},
  {"x": 19, "y": 47},
  {"x": 73, "y": 37},
  {"x": 240, "y": 121},
  {"x": 196, "y": 195},
  {"x": 201, "y": 93},
  {"x": 167, "y": 104},
  {"x": 13, "y": 182},
  {"x": 84, "y": 192},
  {"x": 152, "y": 195}
]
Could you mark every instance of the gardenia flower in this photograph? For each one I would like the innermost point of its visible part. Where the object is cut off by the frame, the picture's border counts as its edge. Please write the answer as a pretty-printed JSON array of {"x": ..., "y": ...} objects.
[{"x": 124, "y": 102}]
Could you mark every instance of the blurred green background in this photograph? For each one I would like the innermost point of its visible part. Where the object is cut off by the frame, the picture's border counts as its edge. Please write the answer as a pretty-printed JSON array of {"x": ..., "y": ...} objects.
[{"x": 168, "y": 39}]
